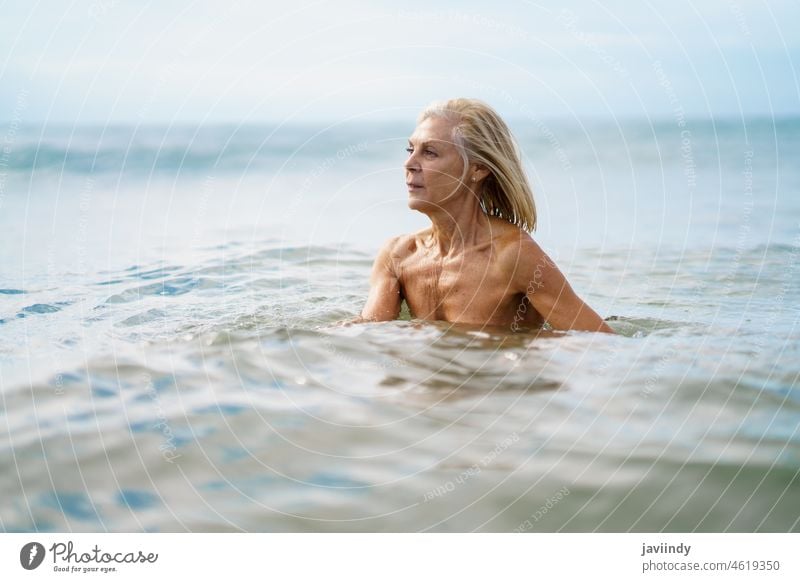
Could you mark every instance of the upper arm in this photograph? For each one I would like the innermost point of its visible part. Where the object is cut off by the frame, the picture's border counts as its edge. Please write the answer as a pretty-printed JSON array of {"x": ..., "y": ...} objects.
[
  {"x": 383, "y": 302},
  {"x": 550, "y": 293}
]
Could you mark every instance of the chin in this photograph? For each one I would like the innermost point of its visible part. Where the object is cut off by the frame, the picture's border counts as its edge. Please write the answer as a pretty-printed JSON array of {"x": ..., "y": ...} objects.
[{"x": 419, "y": 204}]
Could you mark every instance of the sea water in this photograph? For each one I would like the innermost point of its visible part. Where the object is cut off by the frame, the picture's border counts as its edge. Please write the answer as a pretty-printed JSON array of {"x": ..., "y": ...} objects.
[{"x": 171, "y": 359}]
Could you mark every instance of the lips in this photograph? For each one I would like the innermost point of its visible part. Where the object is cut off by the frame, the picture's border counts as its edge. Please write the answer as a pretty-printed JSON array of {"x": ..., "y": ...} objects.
[{"x": 413, "y": 186}]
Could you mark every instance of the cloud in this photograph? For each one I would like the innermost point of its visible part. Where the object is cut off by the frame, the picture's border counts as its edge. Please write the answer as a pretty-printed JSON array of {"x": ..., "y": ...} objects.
[{"x": 125, "y": 62}]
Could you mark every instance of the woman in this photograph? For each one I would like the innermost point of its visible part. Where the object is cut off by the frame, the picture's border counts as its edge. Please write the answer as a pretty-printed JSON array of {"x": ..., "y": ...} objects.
[{"x": 476, "y": 263}]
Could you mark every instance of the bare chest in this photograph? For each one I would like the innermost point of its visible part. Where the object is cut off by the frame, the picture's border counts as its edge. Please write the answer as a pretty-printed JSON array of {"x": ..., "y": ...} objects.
[{"x": 470, "y": 289}]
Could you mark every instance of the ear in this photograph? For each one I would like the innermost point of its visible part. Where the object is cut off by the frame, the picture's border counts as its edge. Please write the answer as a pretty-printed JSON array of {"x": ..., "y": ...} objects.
[{"x": 477, "y": 172}]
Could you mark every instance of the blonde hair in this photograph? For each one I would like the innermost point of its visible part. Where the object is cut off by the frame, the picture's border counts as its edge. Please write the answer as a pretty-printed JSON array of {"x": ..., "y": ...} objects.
[{"x": 482, "y": 136}]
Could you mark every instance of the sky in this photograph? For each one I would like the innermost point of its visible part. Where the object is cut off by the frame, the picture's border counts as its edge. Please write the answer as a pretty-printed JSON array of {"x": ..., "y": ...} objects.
[{"x": 115, "y": 61}]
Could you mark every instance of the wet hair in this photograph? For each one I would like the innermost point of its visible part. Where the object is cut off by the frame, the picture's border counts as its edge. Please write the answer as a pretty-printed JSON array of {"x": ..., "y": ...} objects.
[{"x": 483, "y": 137}]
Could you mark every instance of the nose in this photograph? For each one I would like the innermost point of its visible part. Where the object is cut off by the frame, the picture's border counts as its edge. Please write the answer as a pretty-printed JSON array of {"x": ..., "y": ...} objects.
[{"x": 411, "y": 164}]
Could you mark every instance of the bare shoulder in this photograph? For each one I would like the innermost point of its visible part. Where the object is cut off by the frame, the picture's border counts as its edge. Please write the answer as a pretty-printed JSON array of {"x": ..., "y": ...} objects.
[
  {"x": 524, "y": 260},
  {"x": 401, "y": 246},
  {"x": 396, "y": 249},
  {"x": 514, "y": 246}
]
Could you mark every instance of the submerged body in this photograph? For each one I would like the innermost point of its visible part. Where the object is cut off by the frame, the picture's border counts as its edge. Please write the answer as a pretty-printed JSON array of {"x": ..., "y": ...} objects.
[
  {"x": 476, "y": 264},
  {"x": 475, "y": 285},
  {"x": 505, "y": 279}
]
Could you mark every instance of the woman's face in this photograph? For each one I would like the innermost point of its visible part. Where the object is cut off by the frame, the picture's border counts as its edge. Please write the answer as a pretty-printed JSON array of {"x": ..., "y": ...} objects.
[{"x": 434, "y": 166}]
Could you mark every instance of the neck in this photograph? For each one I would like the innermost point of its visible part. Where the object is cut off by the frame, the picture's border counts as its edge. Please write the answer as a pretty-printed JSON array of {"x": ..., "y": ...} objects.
[{"x": 459, "y": 226}]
